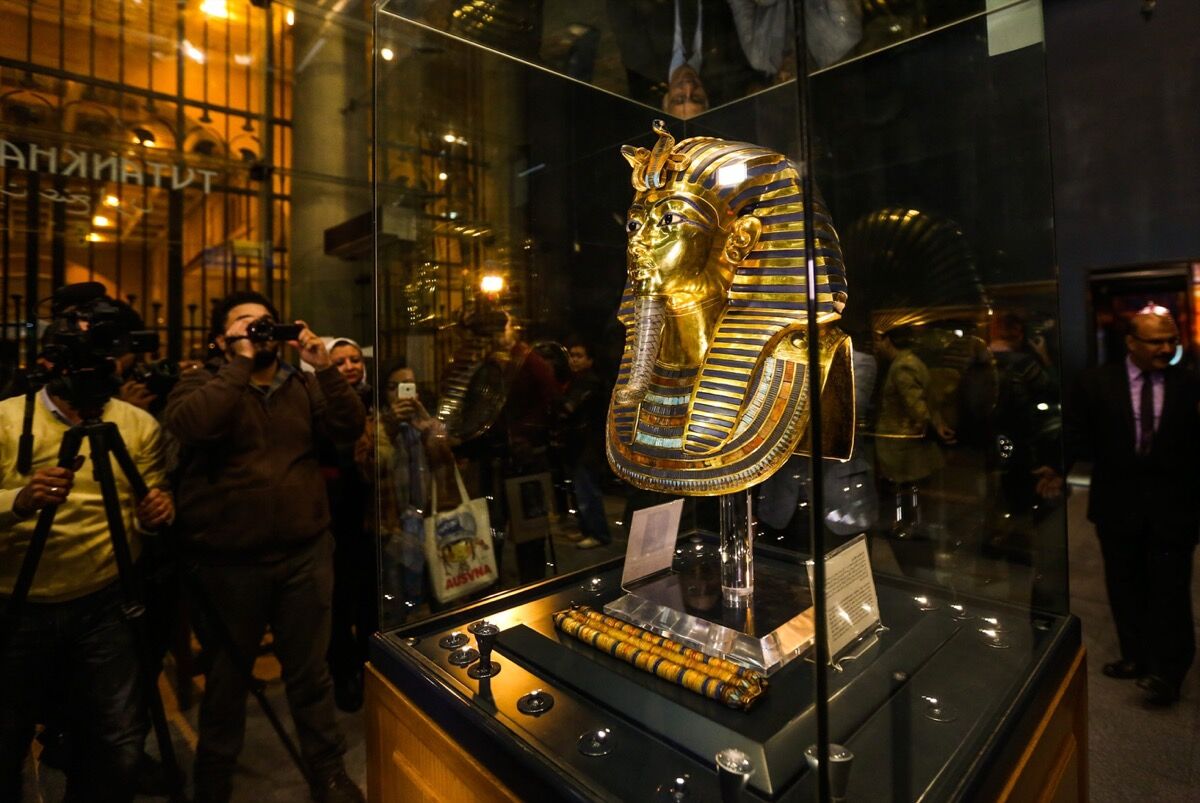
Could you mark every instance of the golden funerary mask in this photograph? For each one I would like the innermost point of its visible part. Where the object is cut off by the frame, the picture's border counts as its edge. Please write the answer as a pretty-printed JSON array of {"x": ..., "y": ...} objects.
[{"x": 712, "y": 392}]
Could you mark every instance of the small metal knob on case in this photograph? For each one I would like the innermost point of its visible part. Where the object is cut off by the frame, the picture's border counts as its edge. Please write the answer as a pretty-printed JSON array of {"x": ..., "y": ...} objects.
[
  {"x": 938, "y": 711},
  {"x": 994, "y": 638},
  {"x": 840, "y": 760},
  {"x": 485, "y": 636},
  {"x": 536, "y": 703},
  {"x": 474, "y": 626},
  {"x": 594, "y": 585},
  {"x": 464, "y": 656},
  {"x": 993, "y": 623},
  {"x": 677, "y": 790},
  {"x": 959, "y": 612},
  {"x": 453, "y": 641},
  {"x": 733, "y": 772},
  {"x": 596, "y": 743},
  {"x": 926, "y": 603}
]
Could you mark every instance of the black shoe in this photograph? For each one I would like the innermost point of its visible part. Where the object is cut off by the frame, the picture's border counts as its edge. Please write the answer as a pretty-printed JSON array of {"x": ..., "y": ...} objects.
[
  {"x": 348, "y": 693},
  {"x": 337, "y": 788},
  {"x": 212, "y": 789},
  {"x": 1123, "y": 670},
  {"x": 153, "y": 779},
  {"x": 1159, "y": 693}
]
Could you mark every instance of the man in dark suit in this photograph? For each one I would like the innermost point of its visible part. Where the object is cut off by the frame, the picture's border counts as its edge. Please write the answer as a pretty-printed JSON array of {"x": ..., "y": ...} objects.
[{"x": 1139, "y": 423}]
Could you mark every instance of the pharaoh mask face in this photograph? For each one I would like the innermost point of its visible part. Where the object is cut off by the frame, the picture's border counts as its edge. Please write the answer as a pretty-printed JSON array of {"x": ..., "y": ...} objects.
[
  {"x": 711, "y": 395},
  {"x": 670, "y": 237}
]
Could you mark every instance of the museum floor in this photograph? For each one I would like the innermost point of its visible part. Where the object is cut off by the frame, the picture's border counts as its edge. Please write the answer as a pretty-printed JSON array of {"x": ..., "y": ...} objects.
[{"x": 1134, "y": 753}]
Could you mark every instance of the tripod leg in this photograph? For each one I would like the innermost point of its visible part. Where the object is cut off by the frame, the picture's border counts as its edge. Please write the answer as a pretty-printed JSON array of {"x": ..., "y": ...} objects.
[
  {"x": 116, "y": 445},
  {"x": 67, "y": 451},
  {"x": 100, "y": 438},
  {"x": 245, "y": 665}
]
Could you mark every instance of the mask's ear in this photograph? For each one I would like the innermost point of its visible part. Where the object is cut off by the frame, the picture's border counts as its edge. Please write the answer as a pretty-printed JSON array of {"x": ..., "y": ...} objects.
[
  {"x": 220, "y": 341},
  {"x": 743, "y": 236}
]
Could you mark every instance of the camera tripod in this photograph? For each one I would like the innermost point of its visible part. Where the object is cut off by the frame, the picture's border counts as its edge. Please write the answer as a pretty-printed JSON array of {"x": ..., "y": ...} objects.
[{"x": 104, "y": 440}]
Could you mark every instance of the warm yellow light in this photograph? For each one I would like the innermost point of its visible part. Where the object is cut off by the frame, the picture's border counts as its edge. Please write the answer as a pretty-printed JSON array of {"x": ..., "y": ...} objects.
[
  {"x": 194, "y": 53},
  {"x": 386, "y": 53},
  {"x": 449, "y": 138},
  {"x": 290, "y": 17},
  {"x": 93, "y": 237},
  {"x": 215, "y": 8},
  {"x": 442, "y": 176},
  {"x": 492, "y": 284},
  {"x": 101, "y": 221},
  {"x": 112, "y": 200}
]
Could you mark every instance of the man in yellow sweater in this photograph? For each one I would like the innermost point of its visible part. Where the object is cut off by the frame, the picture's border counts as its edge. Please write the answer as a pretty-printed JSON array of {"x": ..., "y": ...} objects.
[{"x": 72, "y": 640}]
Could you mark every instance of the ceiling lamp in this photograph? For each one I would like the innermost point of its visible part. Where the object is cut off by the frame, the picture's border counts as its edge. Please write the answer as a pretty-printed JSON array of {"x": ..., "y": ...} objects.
[
  {"x": 492, "y": 284},
  {"x": 194, "y": 53},
  {"x": 215, "y": 8}
]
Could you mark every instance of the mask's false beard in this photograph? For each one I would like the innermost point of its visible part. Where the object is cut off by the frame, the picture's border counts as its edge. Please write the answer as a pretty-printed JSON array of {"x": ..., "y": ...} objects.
[{"x": 650, "y": 313}]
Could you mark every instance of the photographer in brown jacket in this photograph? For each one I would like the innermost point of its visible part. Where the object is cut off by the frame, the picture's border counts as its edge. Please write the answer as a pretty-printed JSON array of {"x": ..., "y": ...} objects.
[{"x": 254, "y": 517}]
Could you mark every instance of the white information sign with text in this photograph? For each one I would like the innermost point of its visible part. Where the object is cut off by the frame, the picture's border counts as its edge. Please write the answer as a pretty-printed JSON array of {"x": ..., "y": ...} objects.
[{"x": 851, "y": 604}]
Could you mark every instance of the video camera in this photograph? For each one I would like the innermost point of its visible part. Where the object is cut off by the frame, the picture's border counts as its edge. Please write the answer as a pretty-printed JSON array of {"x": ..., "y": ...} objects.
[
  {"x": 78, "y": 361},
  {"x": 89, "y": 332},
  {"x": 264, "y": 330},
  {"x": 158, "y": 377}
]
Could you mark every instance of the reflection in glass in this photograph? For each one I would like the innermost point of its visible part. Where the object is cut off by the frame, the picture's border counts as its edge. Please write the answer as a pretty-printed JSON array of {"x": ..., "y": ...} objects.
[{"x": 505, "y": 225}]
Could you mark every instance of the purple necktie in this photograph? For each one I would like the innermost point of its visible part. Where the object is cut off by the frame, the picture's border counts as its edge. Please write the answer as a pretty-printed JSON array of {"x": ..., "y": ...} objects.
[{"x": 1146, "y": 416}]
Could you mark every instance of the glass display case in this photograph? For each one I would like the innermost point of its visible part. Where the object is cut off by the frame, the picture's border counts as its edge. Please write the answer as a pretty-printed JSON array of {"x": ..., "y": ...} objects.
[{"x": 717, "y": 434}]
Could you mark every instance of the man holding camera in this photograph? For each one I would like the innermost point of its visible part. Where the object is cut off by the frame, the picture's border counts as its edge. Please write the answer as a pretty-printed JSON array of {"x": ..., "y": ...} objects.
[
  {"x": 72, "y": 643},
  {"x": 255, "y": 518}
]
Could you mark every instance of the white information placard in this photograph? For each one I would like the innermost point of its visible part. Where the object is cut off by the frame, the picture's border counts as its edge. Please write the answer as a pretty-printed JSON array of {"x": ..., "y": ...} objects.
[
  {"x": 851, "y": 604},
  {"x": 652, "y": 534}
]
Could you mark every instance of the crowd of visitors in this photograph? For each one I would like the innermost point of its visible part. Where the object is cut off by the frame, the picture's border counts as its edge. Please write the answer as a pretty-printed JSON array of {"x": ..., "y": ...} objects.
[
  {"x": 258, "y": 528},
  {"x": 261, "y": 481}
]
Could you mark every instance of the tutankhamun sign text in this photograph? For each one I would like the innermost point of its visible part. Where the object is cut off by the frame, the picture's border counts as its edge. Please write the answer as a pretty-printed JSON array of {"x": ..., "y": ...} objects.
[{"x": 69, "y": 162}]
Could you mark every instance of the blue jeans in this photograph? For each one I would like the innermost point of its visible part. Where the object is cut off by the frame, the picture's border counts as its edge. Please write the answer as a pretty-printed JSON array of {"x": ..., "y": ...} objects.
[
  {"x": 589, "y": 504},
  {"x": 82, "y": 652}
]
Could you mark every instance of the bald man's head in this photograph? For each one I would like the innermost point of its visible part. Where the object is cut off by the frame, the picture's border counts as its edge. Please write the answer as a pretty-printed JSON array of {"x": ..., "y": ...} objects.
[{"x": 1153, "y": 338}]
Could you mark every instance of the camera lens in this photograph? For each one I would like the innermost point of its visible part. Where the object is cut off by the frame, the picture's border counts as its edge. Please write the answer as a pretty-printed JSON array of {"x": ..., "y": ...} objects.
[{"x": 261, "y": 331}]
